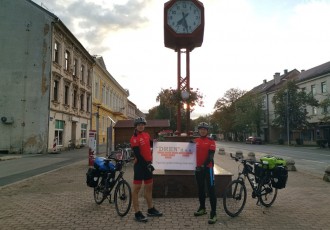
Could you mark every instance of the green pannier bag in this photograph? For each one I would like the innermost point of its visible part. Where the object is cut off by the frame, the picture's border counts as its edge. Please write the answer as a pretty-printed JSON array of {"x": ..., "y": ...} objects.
[{"x": 270, "y": 162}]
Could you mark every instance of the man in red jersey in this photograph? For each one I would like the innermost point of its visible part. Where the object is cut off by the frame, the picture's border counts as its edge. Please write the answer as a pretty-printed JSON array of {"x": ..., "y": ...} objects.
[
  {"x": 141, "y": 143},
  {"x": 205, "y": 149}
]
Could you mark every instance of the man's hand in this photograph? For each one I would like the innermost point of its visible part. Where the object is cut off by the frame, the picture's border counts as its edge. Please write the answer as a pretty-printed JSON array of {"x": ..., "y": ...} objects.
[
  {"x": 150, "y": 167},
  {"x": 200, "y": 168}
]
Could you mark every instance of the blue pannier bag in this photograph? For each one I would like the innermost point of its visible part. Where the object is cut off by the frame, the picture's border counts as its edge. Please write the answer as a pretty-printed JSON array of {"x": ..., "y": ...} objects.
[{"x": 102, "y": 165}]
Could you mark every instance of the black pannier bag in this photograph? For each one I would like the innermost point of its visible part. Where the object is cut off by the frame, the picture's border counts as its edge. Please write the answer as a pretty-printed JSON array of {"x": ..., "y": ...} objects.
[
  {"x": 259, "y": 172},
  {"x": 279, "y": 177},
  {"x": 92, "y": 177}
]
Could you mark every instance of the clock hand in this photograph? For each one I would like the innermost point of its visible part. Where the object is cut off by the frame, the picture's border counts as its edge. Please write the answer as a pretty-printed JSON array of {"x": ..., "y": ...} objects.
[{"x": 183, "y": 21}]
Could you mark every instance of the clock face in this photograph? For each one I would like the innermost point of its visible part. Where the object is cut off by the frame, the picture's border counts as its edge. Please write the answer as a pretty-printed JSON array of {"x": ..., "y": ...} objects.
[{"x": 184, "y": 17}]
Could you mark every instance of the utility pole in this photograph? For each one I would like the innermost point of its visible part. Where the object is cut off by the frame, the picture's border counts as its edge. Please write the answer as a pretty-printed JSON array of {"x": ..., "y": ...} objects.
[
  {"x": 97, "y": 128},
  {"x": 287, "y": 117}
]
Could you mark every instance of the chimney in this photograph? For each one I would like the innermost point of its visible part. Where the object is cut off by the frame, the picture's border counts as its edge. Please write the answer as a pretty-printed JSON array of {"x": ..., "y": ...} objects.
[
  {"x": 265, "y": 81},
  {"x": 285, "y": 71},
  {"x": 302, "y": 70},
  {"x": 277, "y": 78}
]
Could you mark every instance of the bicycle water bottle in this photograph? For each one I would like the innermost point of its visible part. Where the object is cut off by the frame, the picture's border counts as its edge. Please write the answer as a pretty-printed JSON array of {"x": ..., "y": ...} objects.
[{"x": 254, "y": 184}]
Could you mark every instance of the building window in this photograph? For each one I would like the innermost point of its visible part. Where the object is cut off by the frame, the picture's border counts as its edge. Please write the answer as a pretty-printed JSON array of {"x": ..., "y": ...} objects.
[
  {"x": 59, "y": 127},
  {"x": 83, "y": 133},
  {"x": 82, "y": 73},
  {"x": 103, "y": 95},
  {"x": 66, "y": 60},
  {"x": 325, "y": 109},
  {"x": 89, "y": 77},
  {"x": 66, "y": 94},
  {"x": 74, "y": 98},
  {"x": 56, "y": 52},
  {"x": 303, "y": 89},
  {"x": 74, "y": 73},
  {"x": 314, "y": 110},
  {"x": 323, "y": 87},
  {"x": 82, "y": 101},
  {"x": 96, "y": 90},
  {"x": 313, "y": 90},
  {"x": 55, "y": 95},
  {"x": 88, "y": 101}
]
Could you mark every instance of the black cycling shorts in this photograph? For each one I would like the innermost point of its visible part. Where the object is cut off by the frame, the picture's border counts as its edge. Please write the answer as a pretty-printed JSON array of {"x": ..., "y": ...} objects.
[{"x": 142, "y": 174}]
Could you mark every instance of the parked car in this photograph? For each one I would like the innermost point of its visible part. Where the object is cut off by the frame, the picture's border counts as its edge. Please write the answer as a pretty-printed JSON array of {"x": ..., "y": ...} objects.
[
  {"x": 253, "y": 140},
  {"x": 213, "y": 136}
]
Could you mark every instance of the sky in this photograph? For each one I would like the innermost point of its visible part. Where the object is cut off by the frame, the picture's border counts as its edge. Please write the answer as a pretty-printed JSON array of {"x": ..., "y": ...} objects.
[{"x": 245, "y": 42}]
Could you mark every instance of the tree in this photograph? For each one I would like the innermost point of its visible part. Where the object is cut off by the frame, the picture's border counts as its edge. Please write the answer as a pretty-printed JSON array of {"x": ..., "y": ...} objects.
[
  {"x": 249, "y": 113},
  {"x": 290, "y": 105},
  {"x": 325, "y": 104},
  {"x": 169, "y": 99},
  {"x": 225, "y": 111}
]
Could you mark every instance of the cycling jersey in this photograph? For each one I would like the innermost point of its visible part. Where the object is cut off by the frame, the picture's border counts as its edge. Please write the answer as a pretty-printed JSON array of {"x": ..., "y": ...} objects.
[
  {"x": 203, "y": 145},
  {"x": 142, "y": 140}
]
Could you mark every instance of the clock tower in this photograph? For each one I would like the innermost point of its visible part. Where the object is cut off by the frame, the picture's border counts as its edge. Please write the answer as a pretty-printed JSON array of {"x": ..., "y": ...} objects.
[{"x": 183, "y": 31}]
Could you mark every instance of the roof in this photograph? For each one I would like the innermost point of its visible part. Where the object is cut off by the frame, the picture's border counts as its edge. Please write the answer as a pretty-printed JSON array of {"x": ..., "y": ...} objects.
[
  {"x": 315, "y": 72},
  {"x": 164, "y": 123},
  {"x": 270, "y": 85}
]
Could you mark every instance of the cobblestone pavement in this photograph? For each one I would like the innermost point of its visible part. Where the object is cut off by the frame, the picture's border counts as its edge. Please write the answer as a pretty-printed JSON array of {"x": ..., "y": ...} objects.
[{"x": 60, "y": 199}]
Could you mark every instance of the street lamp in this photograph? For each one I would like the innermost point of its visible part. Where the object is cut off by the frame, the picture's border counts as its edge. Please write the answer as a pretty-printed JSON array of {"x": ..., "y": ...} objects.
[
  {"x": 287, "y": 113},
  {"x": 287, "y": 117},
  {"x": 97, "y": 128},
  {"x": 185, "y": 97},
  {"x": 109, "y": 136}
]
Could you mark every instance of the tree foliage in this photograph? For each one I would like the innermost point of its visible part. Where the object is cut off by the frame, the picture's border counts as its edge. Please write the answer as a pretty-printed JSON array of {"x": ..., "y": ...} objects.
[
  {"x": 249, "y": 113},
  {"x": 169, "y": 101},
  {"x": 290, "y": 105},
  {"x": 225, "y": 109}
]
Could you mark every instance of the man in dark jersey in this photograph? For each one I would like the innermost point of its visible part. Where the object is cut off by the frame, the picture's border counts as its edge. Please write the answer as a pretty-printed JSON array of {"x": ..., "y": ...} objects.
[
  {"x": 141, "y": 143},
  {"x": 205, "y": 149}
]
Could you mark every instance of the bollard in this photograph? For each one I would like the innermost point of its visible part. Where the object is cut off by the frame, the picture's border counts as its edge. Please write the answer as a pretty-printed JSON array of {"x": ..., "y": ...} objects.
[
  {"x": 252, "y": 156},
  {"x": 239, "y": 154},
  {"x": 221, "y": 151},
  {"x": 290, "y": 164},
  {"x": 326, "y": 176}
]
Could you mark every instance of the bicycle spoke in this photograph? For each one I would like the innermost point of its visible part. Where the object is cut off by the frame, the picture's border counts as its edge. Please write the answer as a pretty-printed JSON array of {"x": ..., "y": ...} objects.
[
  {"x": 234, "y": 198},
  {"x": 123, "y": 198}
]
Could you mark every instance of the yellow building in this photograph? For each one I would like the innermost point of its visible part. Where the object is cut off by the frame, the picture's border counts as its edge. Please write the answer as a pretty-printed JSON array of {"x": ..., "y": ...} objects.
[{"x": 109, "y": 101}]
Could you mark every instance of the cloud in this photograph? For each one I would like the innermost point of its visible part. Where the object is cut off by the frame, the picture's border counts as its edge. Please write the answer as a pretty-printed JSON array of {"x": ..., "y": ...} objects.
[{"x": 92, "y": 22}]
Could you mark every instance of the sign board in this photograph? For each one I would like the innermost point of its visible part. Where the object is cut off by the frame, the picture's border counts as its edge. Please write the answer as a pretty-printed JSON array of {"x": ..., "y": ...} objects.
[
  {"x": 174, "y": 155},
  {"x": 92, "y": 147}
]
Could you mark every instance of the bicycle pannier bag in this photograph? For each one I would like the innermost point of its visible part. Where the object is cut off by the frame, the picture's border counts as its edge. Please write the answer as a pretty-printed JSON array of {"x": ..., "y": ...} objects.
[
  {"x": 279, "y": 177},
  {"x": 92, "y": 177},
  {"x": 102, "y": 165}
]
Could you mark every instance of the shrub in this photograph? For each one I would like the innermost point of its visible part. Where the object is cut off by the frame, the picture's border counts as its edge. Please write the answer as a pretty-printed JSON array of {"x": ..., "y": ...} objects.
[
  {"x": 299, "y": 141},
  {"x": 321, "y": 142},
  {"x": 280, "y": 141}
]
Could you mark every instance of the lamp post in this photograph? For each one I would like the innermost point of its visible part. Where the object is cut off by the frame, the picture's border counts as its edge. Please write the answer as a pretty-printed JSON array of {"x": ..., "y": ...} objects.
[
  {"x": 287, "y": 117},
  {"x": 185, "y": 96},
  {"x": 97, "y": 128},
  {"x": 109, "y": 136}
]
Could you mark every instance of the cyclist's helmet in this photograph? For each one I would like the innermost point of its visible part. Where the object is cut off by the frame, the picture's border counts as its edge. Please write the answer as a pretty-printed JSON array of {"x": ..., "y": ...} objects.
[
  {"x": 203, "y": 125},
  {"x": 139, "y": 120}
]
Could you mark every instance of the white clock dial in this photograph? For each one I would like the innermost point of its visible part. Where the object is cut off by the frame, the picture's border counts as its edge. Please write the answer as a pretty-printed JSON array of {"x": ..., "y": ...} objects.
[{"x": 184, "y": 17}]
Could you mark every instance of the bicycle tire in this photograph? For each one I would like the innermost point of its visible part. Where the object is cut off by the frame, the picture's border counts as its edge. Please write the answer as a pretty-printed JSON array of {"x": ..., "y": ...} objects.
[
  {"x": 268, "y": 194},
  {"x": 234, "y": 198},
  {"x": 123, "y": 198},
  {"x": 99, "y": 196}
]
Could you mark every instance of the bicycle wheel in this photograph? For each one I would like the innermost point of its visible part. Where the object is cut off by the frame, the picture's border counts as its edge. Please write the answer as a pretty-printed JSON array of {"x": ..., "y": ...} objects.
[
  {"x": 268, "y": 194},
  {"x": 123, "y": 198},
  {"x": 234, "y": 198},
  {"x": 99, "y": 196}
]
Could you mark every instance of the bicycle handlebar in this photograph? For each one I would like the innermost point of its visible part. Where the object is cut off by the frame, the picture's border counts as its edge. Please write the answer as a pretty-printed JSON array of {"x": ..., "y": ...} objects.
[{"x": 242, "y": 160}]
